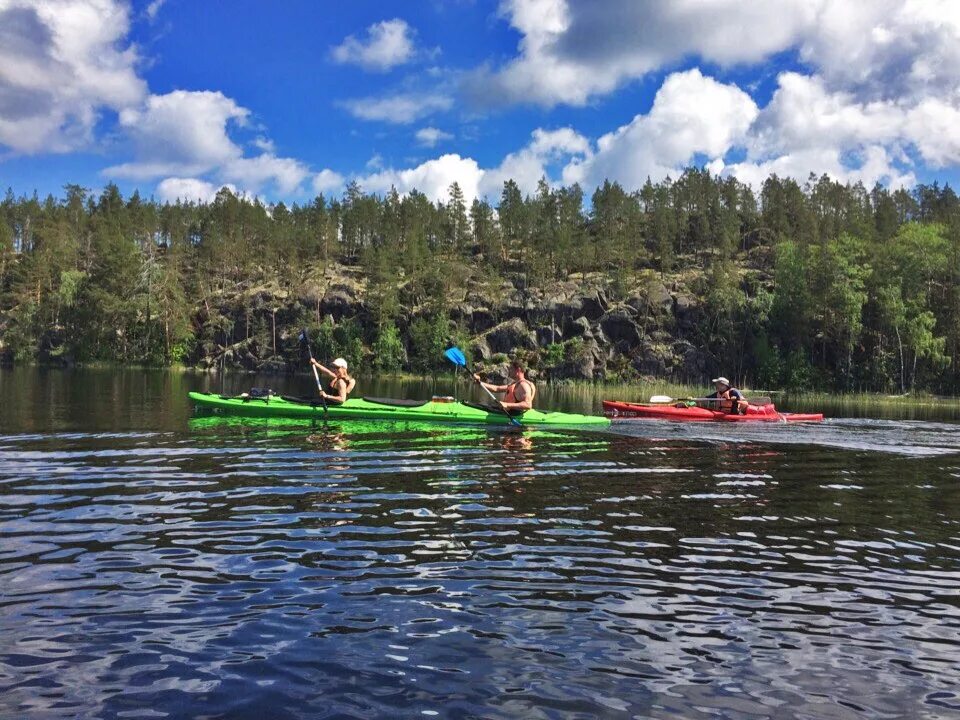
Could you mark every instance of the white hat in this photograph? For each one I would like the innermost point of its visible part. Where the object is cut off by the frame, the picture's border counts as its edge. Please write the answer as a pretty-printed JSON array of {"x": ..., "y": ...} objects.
[
  {"x": 340, "y": 362},
  {"x": 720, "y": 379}
]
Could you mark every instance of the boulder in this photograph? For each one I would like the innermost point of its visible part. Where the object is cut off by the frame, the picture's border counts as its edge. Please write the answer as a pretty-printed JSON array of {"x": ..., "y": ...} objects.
[
  {"x": 480, "y": 350},
  {"x": 652, "y": 360},
  {"x": 338, "y": 302},
  {"x": 577, "y": 328},
  {"x": 593, "y": 306},
  {"x": 686, "y": 310},
  {"x": 548, "y": 335},
  {"x": 692, "y": 362},
  {"x": 621, "y": 329},
  {"x": 509, "y": 336},
  {"x": 659, "y": 298}
]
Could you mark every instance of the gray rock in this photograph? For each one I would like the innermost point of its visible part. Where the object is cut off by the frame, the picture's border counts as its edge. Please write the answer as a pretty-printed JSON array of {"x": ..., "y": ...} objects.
[
  {"x": 686, "y": 309},
  {"x": 509, "y": 336},
  {"x": 577, "y": 328},
  {"x": 338, "y": 303},
  {"x": 593, "y": 307},
  {"x": 621, "y": 329},
  {"x": 480, "y": 350},
  {"x": 547, "y": 335},
  {"x": 659, "y": 298}
]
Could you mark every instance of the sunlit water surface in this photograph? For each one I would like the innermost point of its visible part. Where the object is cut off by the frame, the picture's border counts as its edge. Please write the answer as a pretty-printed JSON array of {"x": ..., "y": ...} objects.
[{"x": 153, "y": 564}]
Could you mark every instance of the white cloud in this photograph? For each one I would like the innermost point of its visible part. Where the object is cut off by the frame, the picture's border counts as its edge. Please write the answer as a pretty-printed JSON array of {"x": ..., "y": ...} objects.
[
  {"x": 805, "y": 114},
  {"x": 182, "y": 133},
  {"x": 875, "y": 165},
  {"x": 527, "y": 165},
  {"x": 432, "y": 178},
  {"x": 61, "y": 62},
  {"x": 430, "y": 136},
  {"x": 327, "y": 181},
  {"x": 286, "y": 173},
  {"x": 153, "y": 9},
  {"x": 934, "y": 127},
  {"x": 886, "y": 48},
  {"x": 173, "y": 189},
  {"x": 186, "y": 134},
  {"x": 571, "y": 52},
  {"x": 401, "y": 109},
  {"x": 691, "y": 115},
  {"x": 264, "y": 144},
  {"x": 388, "y": 44}
]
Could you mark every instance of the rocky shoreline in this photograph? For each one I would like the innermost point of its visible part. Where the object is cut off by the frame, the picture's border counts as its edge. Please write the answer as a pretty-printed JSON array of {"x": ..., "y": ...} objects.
[{"x": 570, "y": 330}]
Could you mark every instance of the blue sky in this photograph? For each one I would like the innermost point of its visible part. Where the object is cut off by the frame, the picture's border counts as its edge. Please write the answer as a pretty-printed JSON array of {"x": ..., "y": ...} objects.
[{"x": 284, "y": 100}]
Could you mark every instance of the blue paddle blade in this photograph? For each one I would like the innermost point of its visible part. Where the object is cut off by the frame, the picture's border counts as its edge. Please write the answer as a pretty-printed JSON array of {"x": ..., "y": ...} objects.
[
  {"x": 456, "y": 356},
  {"x": 303, "y": 336}
]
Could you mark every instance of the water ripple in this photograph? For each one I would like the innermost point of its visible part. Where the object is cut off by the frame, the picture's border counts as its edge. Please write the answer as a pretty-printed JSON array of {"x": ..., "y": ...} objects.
[{"x": 255, "y": 570}]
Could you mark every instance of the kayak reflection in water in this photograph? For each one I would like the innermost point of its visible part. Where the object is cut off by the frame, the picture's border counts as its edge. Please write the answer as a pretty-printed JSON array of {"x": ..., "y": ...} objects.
[
  {"x": 341, "y": 385},
  {"x": 726, "y": 398},
  {"x": 519, "y": 393}
]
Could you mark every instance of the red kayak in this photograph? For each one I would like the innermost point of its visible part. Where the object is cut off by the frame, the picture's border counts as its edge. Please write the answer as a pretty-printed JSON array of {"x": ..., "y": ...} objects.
[{"x": 761, "y": 413}]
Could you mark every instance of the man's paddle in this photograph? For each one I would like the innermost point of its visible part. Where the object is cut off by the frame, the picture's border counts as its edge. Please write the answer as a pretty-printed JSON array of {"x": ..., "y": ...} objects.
[
  {"x": 305, "y": 341},
  {"x": 456, "y": 356},
  {"x": 666, "y": 399}
]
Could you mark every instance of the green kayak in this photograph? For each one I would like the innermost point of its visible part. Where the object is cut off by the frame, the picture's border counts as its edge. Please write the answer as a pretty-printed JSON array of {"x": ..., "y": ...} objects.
[{"x": 383, "y": 409}]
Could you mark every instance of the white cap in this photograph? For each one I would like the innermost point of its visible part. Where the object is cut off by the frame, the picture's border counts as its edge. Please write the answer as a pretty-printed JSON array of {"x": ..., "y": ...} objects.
[
  {"x": 720, "y": 379},
  {"x": 340, "y": 362}
]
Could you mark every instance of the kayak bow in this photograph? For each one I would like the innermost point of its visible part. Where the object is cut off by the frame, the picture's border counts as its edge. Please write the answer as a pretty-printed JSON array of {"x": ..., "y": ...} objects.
[{"x": 383, "y": 409}]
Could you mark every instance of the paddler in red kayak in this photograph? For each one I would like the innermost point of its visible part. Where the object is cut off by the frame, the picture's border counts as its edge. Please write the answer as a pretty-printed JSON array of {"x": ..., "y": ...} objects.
[
  {"x": 519, "y": 393},
  {"x": 726, "y": 398}
]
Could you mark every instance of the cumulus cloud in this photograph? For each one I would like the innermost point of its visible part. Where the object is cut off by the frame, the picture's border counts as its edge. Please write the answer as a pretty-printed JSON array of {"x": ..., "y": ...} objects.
[
  {"x": 182, "y": 133},
  {"x": 570, "y": 52},
  {"x": 430, "y": 136},
  {"x": 807, "y": 128},
  {"x": 386, "y": 45},
  {"x": 327, "y": 181},
  {"x": 527, "y": 165},
  {"x": 285, "y": 173},
  {"x": 691, "y": 115},
  {"x": 934, "y": 128},
  {"x": 433, "y": 178},
  {"x": 871, "y": 165},
  {"x": 401, "y": 109},
  {"x": 61, "y": 63},
  {"x": 886, "y": 48},
  {"x": 805, "y": 114},
  {"x": 187, "y": 134},
  {"x": 189, "y": 190}
]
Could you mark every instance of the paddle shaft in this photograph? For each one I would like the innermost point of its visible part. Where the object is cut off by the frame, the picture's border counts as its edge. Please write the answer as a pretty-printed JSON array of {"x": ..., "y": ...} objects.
[
  {"x": 456, "y": 356},
  {"x": 498, "y": 401},
  {"x": 316, "y": 375},
  {"x": 760, "y": 401}
]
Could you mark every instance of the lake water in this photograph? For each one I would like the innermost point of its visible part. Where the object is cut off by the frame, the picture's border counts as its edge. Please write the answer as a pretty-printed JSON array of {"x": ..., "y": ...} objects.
[{"x": 153, "y": 564}]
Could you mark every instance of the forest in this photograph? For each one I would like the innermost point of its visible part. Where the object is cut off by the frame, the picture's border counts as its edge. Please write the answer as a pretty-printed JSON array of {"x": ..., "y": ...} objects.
[{"x": 815, "y": 284}]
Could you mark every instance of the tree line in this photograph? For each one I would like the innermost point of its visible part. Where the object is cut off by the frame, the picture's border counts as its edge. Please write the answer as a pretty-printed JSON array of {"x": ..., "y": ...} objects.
[{"x": 814, "y": 283}]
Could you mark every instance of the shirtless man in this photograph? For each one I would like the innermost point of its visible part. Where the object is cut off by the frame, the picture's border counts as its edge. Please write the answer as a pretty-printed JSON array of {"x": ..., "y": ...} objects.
[{"x": 518, "y": 393}]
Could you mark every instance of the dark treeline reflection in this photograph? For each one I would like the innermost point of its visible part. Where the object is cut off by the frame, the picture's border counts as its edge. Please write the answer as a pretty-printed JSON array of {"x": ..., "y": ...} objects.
[{"x": 798, "y": 284}]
